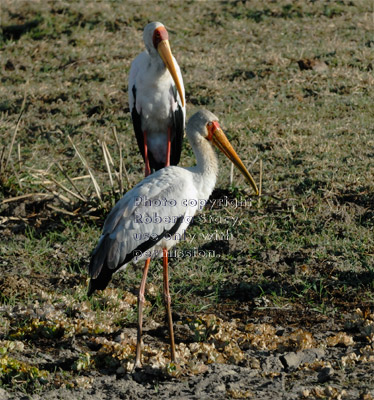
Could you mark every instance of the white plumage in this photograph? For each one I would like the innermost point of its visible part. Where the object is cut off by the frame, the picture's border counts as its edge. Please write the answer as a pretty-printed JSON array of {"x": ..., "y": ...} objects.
[
  {"x": 132, "y": 221},
  {"x": 157, "y": 100}
]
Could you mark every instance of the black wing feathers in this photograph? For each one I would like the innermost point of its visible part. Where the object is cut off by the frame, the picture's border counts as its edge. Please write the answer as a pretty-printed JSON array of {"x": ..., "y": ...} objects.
[
  {"x": 100, "y": 256},
  {"x": 177, "y": 133},
  {"x": 176, "y": 144},
  {"x": 137, "y": 123}
]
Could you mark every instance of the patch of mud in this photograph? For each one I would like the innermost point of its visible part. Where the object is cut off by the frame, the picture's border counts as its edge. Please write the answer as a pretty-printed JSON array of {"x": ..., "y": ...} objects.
[
  {"x": 262, "y": 353},
  {"x": 289, "y": 376}
]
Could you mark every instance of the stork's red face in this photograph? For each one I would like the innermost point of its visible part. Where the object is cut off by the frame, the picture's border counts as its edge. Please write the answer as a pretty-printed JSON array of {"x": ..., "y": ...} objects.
[
  {"x": 212, "y": 127},
  {"x": 161, "y": 43},
  {"x": 219, "y": 139},
  {"x": 159, "y": 34}
]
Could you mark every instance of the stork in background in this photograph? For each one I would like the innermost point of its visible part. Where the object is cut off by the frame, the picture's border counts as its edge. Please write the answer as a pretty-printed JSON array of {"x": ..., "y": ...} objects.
[
  {"x": 152, "y": 217},
  {"x": 156, "y": 100}
]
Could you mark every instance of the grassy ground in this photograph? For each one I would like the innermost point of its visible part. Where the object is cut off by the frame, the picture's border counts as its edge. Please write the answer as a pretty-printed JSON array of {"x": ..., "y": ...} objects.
[{"x": 302, "y": 252}]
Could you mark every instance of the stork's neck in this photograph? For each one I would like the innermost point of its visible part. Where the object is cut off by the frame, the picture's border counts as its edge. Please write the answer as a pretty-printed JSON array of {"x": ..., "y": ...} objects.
[
  {"x": 206, "y": 167},
  {"x": 156, "y": 65}
]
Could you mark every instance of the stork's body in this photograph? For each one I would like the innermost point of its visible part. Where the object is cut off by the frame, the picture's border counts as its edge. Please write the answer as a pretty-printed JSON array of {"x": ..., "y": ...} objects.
[
  {"x": 156, "y": 100},
  {"x": 153, "y": 216},
  {"x": 149, "y": 218}
]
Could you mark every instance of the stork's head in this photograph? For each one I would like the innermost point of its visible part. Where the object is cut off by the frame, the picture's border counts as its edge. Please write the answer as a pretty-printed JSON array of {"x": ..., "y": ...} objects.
[
  {"x": 156, "y": 40},
  {"x": 206, "y": 125}
]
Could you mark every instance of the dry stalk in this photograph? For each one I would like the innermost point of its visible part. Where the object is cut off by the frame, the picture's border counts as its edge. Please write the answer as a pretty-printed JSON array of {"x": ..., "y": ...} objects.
[
  {"x": 79, "y": 178},
  {"x": 122, "y": 167},
  {"x": 3, "y": 166},
  {"x": 106, "y": 159},
  {"x": 2, "y": 158},
  {"x": 108, "y": 153},
  {"x": 84, "y": 162},
  {"x": 253, "y": 163},
  {"x": 46, "y": 179},
  {"x": 25, "y": 196},
  {"x": 60, "y": 210},
  {"x": 19, "y": 154},
  {"x": 76, "y": 195},
  {"x": 4, "y": 220},
  {"x": 60, "y": 196},
  {"x": 260, "y": 187},
  {"x": 72, "y": 181}
]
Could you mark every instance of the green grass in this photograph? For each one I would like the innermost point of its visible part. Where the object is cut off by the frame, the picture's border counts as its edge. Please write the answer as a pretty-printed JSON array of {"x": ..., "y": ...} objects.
[{"x": 308, "y": 242}]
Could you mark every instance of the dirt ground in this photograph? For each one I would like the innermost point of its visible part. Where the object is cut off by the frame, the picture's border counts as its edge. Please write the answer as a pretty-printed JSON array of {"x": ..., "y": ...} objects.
[{"x": 249, "y": 348}]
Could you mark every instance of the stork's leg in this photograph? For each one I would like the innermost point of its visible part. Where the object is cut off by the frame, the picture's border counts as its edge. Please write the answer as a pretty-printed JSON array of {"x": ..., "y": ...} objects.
[
  {"x": 168, "y": 148},
  {"x": 167, "y": 300},
  {"x": 147, "y": 167},
  {"x": 141, "y": 300}
]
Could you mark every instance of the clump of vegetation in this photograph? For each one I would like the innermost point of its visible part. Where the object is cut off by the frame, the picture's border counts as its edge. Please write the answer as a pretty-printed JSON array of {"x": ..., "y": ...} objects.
[
  {"x": 36, "y": 329},
  {"x": 15, "y": 373}
]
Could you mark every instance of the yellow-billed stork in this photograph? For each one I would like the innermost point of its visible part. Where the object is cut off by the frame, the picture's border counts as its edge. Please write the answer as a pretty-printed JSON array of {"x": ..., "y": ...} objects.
[
  {"x": 152, "y": 217},
  {"x": 156, "y": 100}
]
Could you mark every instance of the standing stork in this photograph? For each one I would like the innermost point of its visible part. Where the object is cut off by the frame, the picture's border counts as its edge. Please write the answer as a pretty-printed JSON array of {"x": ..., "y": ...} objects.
[
  {"x": 156, "y": 99},
  {"x": 152, "y": 217}
]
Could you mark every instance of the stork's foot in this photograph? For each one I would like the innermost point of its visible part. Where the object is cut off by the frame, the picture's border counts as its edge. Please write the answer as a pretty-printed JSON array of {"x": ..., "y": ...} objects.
[{"x": 137, "y": 366}]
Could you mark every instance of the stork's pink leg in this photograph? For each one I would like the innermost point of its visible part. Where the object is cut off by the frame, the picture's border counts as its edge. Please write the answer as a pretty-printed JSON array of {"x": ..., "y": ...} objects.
[
  {"x": 167, "y": 300},
  {"x": 147, "y": 167},
  {"x": 168, "y": 147},
  {"x": 141, "y": 300}
]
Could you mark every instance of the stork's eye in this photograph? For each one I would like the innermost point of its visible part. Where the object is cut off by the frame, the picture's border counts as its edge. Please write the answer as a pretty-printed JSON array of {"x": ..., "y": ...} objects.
[
  {"x": 210, "y": 129},
  {"x": 157, "y": 37},
  {"x": 159, "y": 34}
]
